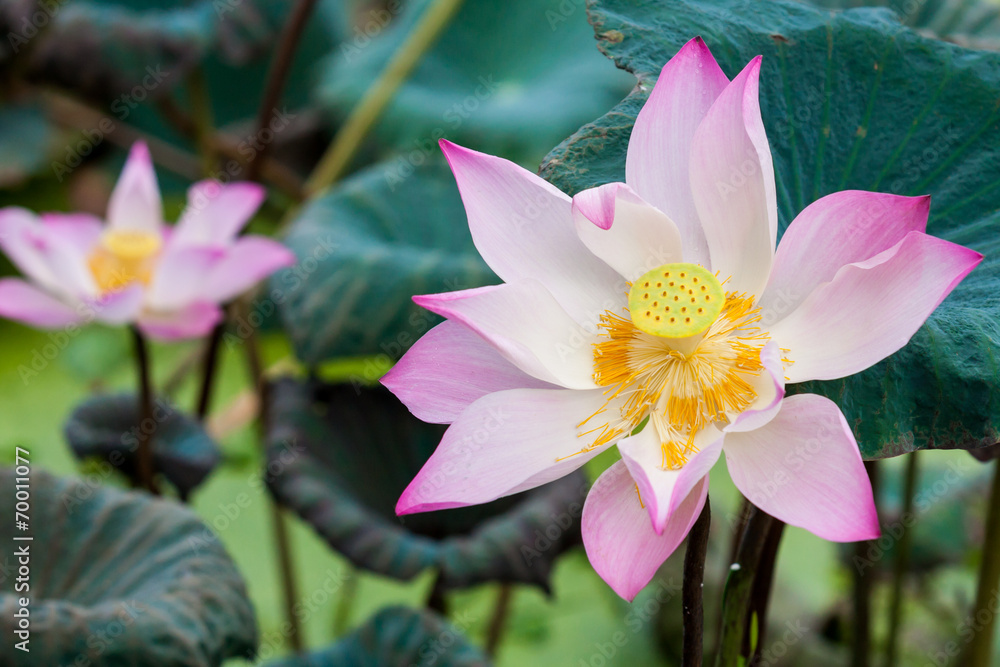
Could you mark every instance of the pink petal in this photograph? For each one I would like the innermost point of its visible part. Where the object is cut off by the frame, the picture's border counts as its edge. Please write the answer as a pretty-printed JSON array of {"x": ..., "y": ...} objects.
[
  {"x": 732, "y": 179},
  {"x": 663, "y": 490},
  {"x": 192, "y": 321},
  {"x": 81, "y": 230},
  {"x": 659, "y": 149},
  {"x": 45, "y": 254},
  {"x": 449, "y": 368},
  {"x": 804, "y": 468},
  {"x": 216, "y": 212},
  {"x": 523, "y": 228},
  {"x": 527, "y": 326},
  {"x": 118, "y": 307},
  {"x": 839, "y": 229},
  {"x": 135, "y": 202},
  {"x": 247, "y": 262},
  {"x": 871, "y": 309},
  {"x": 620, "y": 541},
  {"x": 182, "y": 276},
  {"x": 770, "y": 388},
  {"x": 506, "y": 442},
  {"x": 22, "y": 301},
  {"x": 631, "y": 236}
]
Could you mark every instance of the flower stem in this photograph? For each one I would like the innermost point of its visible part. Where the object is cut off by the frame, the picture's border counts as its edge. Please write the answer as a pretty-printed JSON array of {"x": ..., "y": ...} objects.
[
  {"x": 204, "y": 123},
  {"x": 436, "y": 600},
  {"x": 760, "y": 596},
  {"x": 209, "y": 368},
  {"x": 739, "y": 588},
  {"x": 981, "y": 647},
  {"x": 863, "y": 578},
  {"x": 499, "y": 619},
  {"x": 693, "y": 589},
  {"x": 286, "y": 561},
  {"x": 144, "y": 455},
  {"x": 340, "y": 153},
  {"x": 288, "y": 42},
  {"x": 902, "y": 563},
  {"x": 348, "y": 594}
]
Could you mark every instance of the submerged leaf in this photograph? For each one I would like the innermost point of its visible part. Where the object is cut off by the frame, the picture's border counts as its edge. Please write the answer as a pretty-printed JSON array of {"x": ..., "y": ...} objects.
[
  {"x": 341, "y": 455},
  {"x": 850, "y": 100},
  {"x": 109, "y": 428},
  {"x": 396, "y": 636},
  {"x": 119, "y": 578}
]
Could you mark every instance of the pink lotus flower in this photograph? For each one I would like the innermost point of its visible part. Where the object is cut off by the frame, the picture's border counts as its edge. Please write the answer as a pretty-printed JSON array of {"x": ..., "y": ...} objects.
[
  {"x": 656, "y": 315},
  {"x": 134, "y": 268}
]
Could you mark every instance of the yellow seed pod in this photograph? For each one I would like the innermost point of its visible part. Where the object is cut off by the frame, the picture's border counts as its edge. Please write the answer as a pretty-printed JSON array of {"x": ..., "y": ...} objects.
[{"x": 676, "y": 300}]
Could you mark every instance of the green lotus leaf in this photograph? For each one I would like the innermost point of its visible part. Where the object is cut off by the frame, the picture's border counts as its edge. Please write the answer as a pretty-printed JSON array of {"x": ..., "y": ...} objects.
[
  {"x": 341, "y": 455},
  {"x": 396, "y": 636},
  {"x": 850, "y": 100},
  {"x": 364, "y": 249},
  {"x": 972, "y": 23},
  {"x": 109, "y": 428},
  {"x": 118, "y": 578},
  {"x": 513, "y": 77}
]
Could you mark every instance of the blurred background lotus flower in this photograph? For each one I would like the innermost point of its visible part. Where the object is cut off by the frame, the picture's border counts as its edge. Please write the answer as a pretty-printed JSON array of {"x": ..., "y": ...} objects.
[{"x": 134, "y": 268}]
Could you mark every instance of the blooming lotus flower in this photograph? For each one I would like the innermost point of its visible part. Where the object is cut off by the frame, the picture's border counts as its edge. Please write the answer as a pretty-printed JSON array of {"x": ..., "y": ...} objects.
[
  {"x": 170, "y": 281},
  {"x": 656, "y": 315}
]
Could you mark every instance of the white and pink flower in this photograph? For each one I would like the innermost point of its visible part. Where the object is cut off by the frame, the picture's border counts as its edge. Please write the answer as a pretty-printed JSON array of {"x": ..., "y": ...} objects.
[
  {"x": 656, "y": 315},
  {"x": 168, "y": 280}
]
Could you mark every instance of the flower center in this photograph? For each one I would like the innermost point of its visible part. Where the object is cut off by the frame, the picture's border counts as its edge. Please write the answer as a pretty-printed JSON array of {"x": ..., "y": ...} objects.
[
  {"x": 124, "y": 257},
  {"x": 684, "y": 356}
]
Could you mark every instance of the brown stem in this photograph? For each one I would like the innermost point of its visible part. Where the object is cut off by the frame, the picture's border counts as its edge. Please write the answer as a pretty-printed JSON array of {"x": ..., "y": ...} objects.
[
  {"x": 144, "y": 456},
  {"x": 209, "y": 366},
  {"x": 693, "y": 588},
  {"x": 436, "y": 600},
  {"x": 902, "y": 564},
  {"x": 863, "y": 580},
  {"x": 278, "y": 72},
  {"x": 760, "y": 596},
  {"x": 499, "y": 619}
]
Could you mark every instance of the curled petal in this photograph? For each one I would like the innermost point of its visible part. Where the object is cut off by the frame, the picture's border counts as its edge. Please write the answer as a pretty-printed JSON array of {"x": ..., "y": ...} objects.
[
  {"x": 804, "y": 467},
  {"x": 663, "y": 490},
  {"x": 619, "y": 538},
  {"x": 732, "y": 180},
  {"x": 871, "y": 309},
  {"x": 216, "y": 212},
  {"x": 770, "y": 389},
  {"x": 448, "y": 369},
  {"x": 631, "y": 236},
  {"x": 135, "y": 203},
  {"x": 527, "y": 326},
  {"x": 832, "y": 232},
  {"x": 659, "y": 149},
  {"x": 504, "y": 443},
  {"x": 523, "y": 228}
]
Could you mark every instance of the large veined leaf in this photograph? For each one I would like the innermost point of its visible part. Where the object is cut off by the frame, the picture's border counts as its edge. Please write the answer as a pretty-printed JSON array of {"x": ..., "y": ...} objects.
[
  {"x": 513, "y": 77},
  {"x": 850, "y": 100},
  {"x": 972, "y": 23},
  {"x": 341, "y": 455},
  {"x": 117, "y": 578},
  {"x": 396, "y": 636},
  {"x": 109, "y": 428},
  {"x": 364, "y": 249}
]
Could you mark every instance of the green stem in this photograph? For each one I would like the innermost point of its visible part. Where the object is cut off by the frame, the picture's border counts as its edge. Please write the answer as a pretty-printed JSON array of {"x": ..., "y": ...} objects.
[
  {"x": 863, "y": 580},
  {"x": 981, "y": 647},
  {"x": 499, "y": 619},
  {"x": 902, "y": 563},
  {"x": 340, "y": 153},
  {"x": 692, "y": 592},
  {"x": 204, "y": 124},
  {"x": 276, "y": 75},
  {"x": 145, "y": 467},
  {"x": 739, "y": 588},
  {"x": 348, "y": 594},
  {"x": 760, "y": 596}
]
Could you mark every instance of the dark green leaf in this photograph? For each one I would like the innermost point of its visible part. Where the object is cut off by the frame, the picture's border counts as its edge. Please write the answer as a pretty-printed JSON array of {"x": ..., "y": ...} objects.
[
  {"x": 396, "y": 636},
  {"x": 109, "y": 428},
  {"x": 364, "y": 250},
  {"x": 850, "y": 100},
  {"x": 509, "y": 77},
  {"x": 119, "y": 579},
  {"x": 26, "y": 139},
  {"x": 341, "y": 455},
  {"x": 972, "y": 23}
]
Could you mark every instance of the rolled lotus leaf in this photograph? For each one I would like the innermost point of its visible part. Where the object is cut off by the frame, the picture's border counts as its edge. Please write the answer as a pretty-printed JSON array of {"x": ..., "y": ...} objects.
[
  {"x": 396, "y": 636},
  {"x": 118, "y": 578},
  {"x": 341, "y": 455},
  {"x": 109, "y": 428}
]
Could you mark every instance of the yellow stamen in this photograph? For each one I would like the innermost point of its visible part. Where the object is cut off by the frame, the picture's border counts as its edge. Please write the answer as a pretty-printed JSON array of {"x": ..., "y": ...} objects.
[{"x": 124, "y": 257}]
